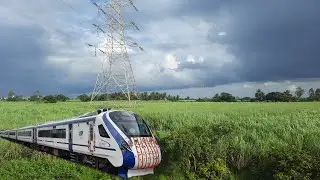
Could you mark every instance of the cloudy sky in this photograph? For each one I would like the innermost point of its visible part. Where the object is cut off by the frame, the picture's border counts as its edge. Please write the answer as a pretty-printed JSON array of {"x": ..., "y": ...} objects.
[{"x": 198, "y": 47}]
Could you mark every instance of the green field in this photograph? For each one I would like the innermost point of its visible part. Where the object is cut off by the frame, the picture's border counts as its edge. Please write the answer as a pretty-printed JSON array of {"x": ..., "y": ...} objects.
[{"x": 198, "y": 140}]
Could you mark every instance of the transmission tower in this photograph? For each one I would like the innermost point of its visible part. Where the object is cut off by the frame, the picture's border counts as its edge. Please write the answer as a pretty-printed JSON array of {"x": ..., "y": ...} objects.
[{"x": 116, "y": 74}]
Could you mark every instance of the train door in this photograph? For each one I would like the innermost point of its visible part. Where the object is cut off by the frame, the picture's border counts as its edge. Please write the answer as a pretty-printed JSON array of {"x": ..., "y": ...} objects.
[
  {"x": 91, "y": 136},
  {"x": 70, "y": 138},
  {"x": 34, "y": 135}
]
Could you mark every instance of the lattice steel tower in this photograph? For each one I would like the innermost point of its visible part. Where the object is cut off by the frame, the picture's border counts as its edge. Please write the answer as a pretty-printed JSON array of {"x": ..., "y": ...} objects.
[{"x": 116, "y": 72}]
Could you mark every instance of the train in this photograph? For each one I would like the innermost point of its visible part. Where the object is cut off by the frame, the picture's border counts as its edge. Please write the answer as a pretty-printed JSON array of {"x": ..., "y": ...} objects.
[{"x": 119, "y": 142}]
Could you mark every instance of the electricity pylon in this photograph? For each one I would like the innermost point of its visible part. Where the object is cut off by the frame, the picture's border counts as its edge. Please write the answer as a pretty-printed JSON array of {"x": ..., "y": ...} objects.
[{"x": 116, "y": 74}]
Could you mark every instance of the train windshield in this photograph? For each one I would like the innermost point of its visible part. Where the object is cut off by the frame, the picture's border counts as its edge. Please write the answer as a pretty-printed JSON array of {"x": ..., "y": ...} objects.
[{"x": 130, "y": 123}]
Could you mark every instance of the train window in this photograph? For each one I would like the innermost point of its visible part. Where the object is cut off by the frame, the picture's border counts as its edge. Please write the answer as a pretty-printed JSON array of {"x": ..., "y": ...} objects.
[
  {"x": 44, "y": 133},
  {"x": 130, "y": 123},
  {"x": 103, "y": 132},
  {"x": 58, "y": 133},
  {"x": 54, "y": 133},
  {"x": 24, "y": 133},
  {"x": 62, "y": 133},
  {"x": 12, "y": 133},
  {"x": 91, "y": 132}
]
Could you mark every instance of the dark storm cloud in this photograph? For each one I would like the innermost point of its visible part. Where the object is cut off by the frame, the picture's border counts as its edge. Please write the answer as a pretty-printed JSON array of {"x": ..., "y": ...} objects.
[
  {"x": 275, "y": 40},
  {"x": 22, "y": 56},
  {"x": 272, "y": 40}
]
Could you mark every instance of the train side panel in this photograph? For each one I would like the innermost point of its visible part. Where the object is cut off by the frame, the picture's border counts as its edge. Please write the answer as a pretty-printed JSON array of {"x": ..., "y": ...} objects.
[
  {"x": 81, "y": 137},
  {"x": 61, "y": 137},
  {"x": 12, "y": 134},
  {"x": 105, "y": 145},
  {"x": 116, "y": 138},
  {"x": 44, "y": 138},
  {"x": 25, "y": 135},
  {"x": 53, "y": 136}
]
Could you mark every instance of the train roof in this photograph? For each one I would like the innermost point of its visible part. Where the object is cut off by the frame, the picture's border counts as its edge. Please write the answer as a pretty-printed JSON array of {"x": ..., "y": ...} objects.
[
  {"x": 82, "y": 118},
  {"x": 77, "y": 119},
  {"x": 66, "y": 121},
  {"x": 26, "y": 127},
  {"x": 88, "y": 114}
]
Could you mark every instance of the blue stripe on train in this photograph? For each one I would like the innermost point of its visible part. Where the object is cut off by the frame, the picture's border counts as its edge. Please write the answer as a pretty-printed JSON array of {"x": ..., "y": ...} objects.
[
  {"x": 112, "y": 130},
  {"x": 128, "y": 156},
  {"x": 123, "y": 172}
]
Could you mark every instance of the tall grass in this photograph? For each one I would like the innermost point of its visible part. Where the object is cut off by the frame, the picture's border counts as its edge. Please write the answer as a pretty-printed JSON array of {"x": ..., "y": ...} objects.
[{"x": 198, "y": 140}]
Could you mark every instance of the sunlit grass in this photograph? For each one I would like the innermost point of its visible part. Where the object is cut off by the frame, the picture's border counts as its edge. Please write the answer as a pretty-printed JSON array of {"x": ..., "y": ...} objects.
[{"x": 256, "y": 129}]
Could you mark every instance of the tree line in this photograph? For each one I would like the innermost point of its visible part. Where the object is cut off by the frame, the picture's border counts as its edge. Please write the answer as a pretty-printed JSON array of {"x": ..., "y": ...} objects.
[
  {"x": 259, "y": 96},
  {"x": 36, "y": 97},
  {"x": 145, "y": 96}
]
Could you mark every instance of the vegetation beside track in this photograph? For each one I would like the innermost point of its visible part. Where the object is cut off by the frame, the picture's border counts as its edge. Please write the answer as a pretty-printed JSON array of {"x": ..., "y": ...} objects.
[{"x": 199, "y": 140}]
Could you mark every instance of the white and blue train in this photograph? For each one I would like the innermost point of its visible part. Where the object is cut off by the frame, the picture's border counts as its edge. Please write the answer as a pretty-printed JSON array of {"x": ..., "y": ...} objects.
[{"x": 115, "y": 140}]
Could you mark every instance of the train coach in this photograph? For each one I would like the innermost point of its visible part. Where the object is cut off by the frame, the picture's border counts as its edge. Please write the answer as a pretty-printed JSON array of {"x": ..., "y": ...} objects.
[{"x": 115, "y": 141}]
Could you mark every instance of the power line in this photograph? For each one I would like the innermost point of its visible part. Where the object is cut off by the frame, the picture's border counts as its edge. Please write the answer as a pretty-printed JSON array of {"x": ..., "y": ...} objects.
[
  {"x": 116, "y": 70},
  {"x": 117, "y": 31},
  {"x": 68, "y": 5}
]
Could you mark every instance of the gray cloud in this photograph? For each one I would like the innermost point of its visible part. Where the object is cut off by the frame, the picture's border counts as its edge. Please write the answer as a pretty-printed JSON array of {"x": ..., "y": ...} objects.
[
  {"x": 236, "y": 42},
  {"x": 271, "y": 40},
  {"x": 22, "y": 64},
  {"x": 275, "y": 40},
  {"x": 247, "y": 89}
]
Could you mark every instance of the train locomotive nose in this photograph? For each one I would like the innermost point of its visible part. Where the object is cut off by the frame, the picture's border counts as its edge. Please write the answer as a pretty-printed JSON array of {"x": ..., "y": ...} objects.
[
  {"x": 144, "y": 156},
  {"x": 139, "y": 148},
  {"x": 147, "y": 152}
]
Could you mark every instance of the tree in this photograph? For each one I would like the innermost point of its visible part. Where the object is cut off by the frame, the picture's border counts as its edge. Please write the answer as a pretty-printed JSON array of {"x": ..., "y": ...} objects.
[
  {"x": 152, "y": 96},
  {"x": 299, "y": 92},
  {"x": 133, "y": 96},
  {"x": 164, "y": 95},
  {"x": 143, "y": 96},
  {"x": 35, "y": 96},
  {"x": 311, "y": 92},
  {"x": 11, "y": 96},
  {"x": 260, "y": 95},
  {"x": 102, "y": 97},
  {"x": 84, "y": 97},
  {"x": 61, "y": 97},
  {"x": 226, "y": 97},
  {"x": 287, "y": 96},
  {"x": 317, "y": 94},
  {"x": 157, "y": 96},
  {"x": 287, "y": 92},
  {"x": 246, "y": 99},
  {"x": 216, "y": 98},
  {"x": 275, "y": 97},
  {"x": 50, "y": 99}
]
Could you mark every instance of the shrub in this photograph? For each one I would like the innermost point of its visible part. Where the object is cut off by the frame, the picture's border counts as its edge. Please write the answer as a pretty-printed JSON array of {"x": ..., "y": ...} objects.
[{"x": 50, "y": 99}]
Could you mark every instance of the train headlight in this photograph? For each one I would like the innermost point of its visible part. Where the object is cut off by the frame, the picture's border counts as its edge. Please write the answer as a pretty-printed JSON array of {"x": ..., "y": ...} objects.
[{"x": 124, "y": 145}]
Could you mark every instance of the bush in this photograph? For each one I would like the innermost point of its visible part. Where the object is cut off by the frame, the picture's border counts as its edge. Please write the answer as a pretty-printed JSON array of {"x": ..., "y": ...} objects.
[
  {"x": 193, "y": 152},
  {"x": 50, "y": 99},
  {"x": 216, "y": 169},
  {"x": 212, "y": 153}
]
